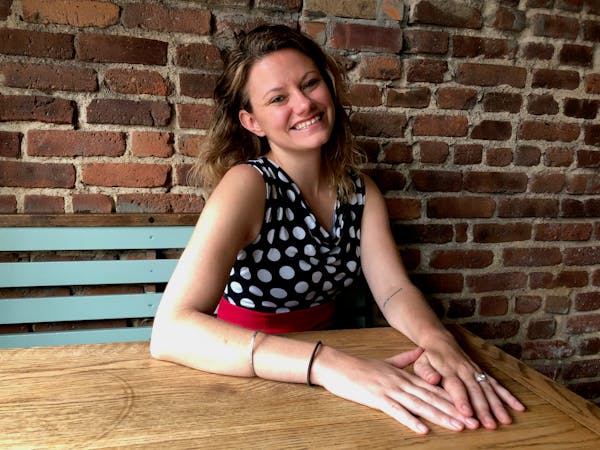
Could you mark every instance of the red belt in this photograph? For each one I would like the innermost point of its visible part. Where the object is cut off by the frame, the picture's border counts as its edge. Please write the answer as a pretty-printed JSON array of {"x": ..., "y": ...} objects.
[{"x": 315, "y": 318}]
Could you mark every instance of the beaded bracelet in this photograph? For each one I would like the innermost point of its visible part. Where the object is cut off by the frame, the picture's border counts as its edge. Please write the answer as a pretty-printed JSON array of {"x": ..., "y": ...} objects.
[{"x": 310, "y": 363}]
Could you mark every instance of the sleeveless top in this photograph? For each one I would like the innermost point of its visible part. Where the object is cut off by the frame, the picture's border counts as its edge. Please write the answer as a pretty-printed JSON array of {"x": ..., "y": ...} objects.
[{"x": 294, "y": 263}]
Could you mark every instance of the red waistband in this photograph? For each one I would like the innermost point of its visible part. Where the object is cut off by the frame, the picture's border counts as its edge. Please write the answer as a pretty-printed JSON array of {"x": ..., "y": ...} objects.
[{"x": 315, "y": 318}]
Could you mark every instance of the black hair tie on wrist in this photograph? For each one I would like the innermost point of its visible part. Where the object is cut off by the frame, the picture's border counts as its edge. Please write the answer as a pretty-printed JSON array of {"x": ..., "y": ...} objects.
[{"x": 310, "y": 363}]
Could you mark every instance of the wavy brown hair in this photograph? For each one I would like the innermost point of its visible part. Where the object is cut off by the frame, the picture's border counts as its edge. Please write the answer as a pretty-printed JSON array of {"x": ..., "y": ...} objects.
[{"x": 229, "y": 143}]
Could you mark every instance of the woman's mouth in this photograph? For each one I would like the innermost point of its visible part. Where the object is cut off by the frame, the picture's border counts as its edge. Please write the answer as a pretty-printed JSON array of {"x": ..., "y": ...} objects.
[{"x": 307, "y": 123}]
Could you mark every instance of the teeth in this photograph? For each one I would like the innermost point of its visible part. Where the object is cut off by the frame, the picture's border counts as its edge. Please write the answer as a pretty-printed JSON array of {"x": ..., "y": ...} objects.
[{"x": 308, "y": 123}]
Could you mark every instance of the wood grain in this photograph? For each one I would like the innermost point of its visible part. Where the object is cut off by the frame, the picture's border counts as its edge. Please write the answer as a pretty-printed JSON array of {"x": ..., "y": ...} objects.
[{"x": 115, "y": 395}]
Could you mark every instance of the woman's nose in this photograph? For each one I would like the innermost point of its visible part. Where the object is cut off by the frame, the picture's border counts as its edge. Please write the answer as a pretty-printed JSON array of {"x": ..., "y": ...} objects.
[{"x": 302, "y": 102}]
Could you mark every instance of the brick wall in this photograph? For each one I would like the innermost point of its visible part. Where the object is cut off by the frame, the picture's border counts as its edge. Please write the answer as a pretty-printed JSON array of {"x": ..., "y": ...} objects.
[{"x": 480, "y": 120}]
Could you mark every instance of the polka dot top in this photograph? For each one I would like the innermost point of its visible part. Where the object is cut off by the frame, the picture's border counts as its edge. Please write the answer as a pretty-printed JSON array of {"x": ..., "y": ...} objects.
[{"x": 295, "y": 263}]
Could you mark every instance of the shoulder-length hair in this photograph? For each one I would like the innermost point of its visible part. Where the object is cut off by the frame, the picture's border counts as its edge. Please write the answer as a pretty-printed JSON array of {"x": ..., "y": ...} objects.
[{"x": 229, "y": 143}]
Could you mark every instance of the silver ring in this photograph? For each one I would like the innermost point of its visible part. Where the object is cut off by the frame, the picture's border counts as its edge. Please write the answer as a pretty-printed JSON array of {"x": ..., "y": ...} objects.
[{"x": 481, "y": 378}]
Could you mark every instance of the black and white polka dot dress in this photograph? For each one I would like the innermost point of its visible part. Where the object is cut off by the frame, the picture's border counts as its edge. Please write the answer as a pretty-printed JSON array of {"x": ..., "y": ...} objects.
[{"x": 295, "y": 263}]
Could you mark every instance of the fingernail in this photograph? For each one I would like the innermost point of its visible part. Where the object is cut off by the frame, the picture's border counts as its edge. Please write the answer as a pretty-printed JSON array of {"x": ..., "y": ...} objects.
[
  {"x": 456, "y": 424},
  {"x": 472, "y": 422},
  {"x": 422, "y": 428}
]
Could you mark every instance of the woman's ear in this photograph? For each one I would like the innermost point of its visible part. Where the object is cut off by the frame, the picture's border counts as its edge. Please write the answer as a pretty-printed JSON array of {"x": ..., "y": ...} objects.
[{"x": 249, "y": 123}]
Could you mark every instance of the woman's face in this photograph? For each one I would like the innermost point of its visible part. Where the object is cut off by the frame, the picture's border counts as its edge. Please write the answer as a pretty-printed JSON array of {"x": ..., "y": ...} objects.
[{"x": 291, "y": 104}]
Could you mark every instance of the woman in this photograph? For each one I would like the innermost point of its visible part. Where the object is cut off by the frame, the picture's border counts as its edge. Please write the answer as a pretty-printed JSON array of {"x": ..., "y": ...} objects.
[{"x": 290, "y": 222}]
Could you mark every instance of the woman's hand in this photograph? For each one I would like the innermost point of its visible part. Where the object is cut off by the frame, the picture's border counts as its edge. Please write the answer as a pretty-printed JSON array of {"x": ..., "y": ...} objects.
[
  {"x": 445, "y": 363},
  {"x": 384, "y": 385}
]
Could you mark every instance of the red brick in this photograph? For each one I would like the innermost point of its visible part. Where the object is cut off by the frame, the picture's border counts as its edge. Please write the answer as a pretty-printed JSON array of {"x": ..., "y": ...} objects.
[
  {"x": 439, "y": 125},
  {"x": 391, "y": 9},
  {"x": 92, "y": 203},
  {"x": 583, "y": 184},
  {"x": 548, "y": 131},
  {"x": 447, "y": 13},
  {"x": 129, "y": 112},
  {"x": 194, "y": 115},
  {"x": 527, "y": 304},
  {"x": 555, "y": 79},
  {"x": 359, "y": 9},
  {"x": 8, "y": 204},
  {"x": 585, "y": 323},
  {"x": 531, "y": 257},
  {"x": 538, "y": 50},
  {"x": 563, "y": 231},
  {"x": 378, "y": 124},
  {"x": 592, "y": 135},
  {"x": 542, "y": 104},
  {"x": 496, "y": 305},
  {"x": 280, "y": 5},
  {"x": 559, "y": 157},
  {"x": 494, "y": 330},
  {"x": 576, "y": 55},
  {"x": 189, "y": 144},
  {"x": 552, "y": 183},
  {"x": 433, "y": 152},
  {"x": 121, "y": 49},
  {"x": 499, "y": 281},
  {"x": 426, "y": 70},
  {"x": 456, "y": 98},
  {"x": 151, "y": 144},
  {"x": 199, "y": 56},
  {"x": 43, "y": 204},
  {"x": 460, "y": 207},
  {"x": 588, "y": 158},
  {"x": 592, "y": 83},
  {"x": 491, "y": 75},
  {"x": 397, "y": 153},
  {"x": 10, "y": 144},
  {"x": 496, "y": 182},
  {"x": 36, "y": 44},
  {"x": 197, "y": 85},
  {"x": 316, "y": 30},
  {"x": 496, "y": 130},
  {"x": 565, "y": 278},
  {"x": 587, "y": 368},
  {"x": 125, "y": 174},
  {"x": 407, "y": 98},
  {"x": 580, "y": 208},
  {"x": 587, "y": 301},
  {"x": 380, "y": 67},
  {"x": 36, "y": 175},
  {"x": 474, "y": 46},
  {"x": 460, "y": 308},
  {"x": 365, "y": 95},
  {"x": 36, "y": 108},
  {"x": 555, "y": 26},
  {"x": 81, "y": 13},
  {"x": 358, "y": 37},
  {"x": 159, "y": 203},
  {"x": 403, "y": 208},
  {"x": 502, "y": 102},
  {"x": 167, "y": 19},
  {"x": 439, "y": 282},
  {"x": 554, "y": 350},
  {"x": 589, "y": 346},
  {"x": 436, "y": 180},
  {"x": 582, "y": 256},
  {"x": 461, "y": 259},
  {"x": 388, "y": 180},
  {"x": 569, "y": 5},
  {"x": 509, "y": 19},
  {"x": 423, "y": 234},
  {"x": 527, "y": 155},
  {"x": 498, "y": 157},
  {"x": 528, "y": 207},
  {"x": 75, "y": 143},
  {"x": 49, "y": 77},
  {"x": 468, "y": 154},
  {"x": 501, "y": 232},
  {"x": 425, "y": 41},
  {"x": 4, "y": 9},
  {"x": 129, "y": 81},
  {"x": 580, "y": 108}
]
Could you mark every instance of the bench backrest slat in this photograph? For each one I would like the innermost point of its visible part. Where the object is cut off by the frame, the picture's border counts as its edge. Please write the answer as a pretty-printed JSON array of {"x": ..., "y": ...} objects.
[{"x": 75, "y": 337}]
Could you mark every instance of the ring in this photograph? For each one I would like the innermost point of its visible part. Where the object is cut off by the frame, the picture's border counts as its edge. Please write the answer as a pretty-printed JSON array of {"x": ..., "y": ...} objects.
[{"x": 481, "y": 377}]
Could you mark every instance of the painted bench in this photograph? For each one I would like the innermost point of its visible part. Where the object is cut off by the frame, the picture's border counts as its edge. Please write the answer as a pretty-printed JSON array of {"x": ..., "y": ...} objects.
[{"x": 68, "y": 253}]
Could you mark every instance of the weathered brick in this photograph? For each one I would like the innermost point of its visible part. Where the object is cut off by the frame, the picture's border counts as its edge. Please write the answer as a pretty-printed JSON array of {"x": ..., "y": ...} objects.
[
  {"x": 92, "y": 203},
  {"x": 120, "y": 49},
  {"x": 474, "y": 46},
  {"x": 580, "y": 208},
  {"x": 548, "y": 131},
  {"x": 569, "y": 5},
  {"x": 458, "y": 207},
  {"x": 592, "y": 83},
  {"x": 436, "y": 180},
  {"x": 583, "y": 184},
  {"x": 167, "y": 19},
  {"x": 563, "y": 231},
  {"x": 431, "y": 152},
  {"x": 125, "y": 174},
  {"x": 128, "y": 81},
  {"x": 468, "y": 154},
  {"x": 36, "y": 175},
  {"x": 4, "y": 9},
  {"x": 527, "y": 155},
  {"x": 409, "y": 97},
  {"x": 460, "y": 308},
  {"x": 581, "y": 108},
  {"x": 587, "y": 346},
  {"x": 36, "y": 43},
  {"x": 423, "y": 234},
  {"x": 391, "y": 10},
  {"x": 387, "y": 180},
  {"x": 190, "y": 144},
  {"x": 531, "y": 256},
  {"x": 456, "y": 98},
  {"x": 8, "y": 204},
  {"x": 499, "y": 281},
  {"x": 554, "y": 350},
  {"x": 591, "y": 30},
  {"x": 496, "y": 182},
  {"x": 129, "y": 112},
  {"x": 528, "y": 207},
  {"x": 461, "y": 259},
  {"x": 403, "y": 208},
  {"x": 159, "y": 203},
  {"x": 585, "y": 323},
  {"x": 439, "y": 282},
  {"x": 576, "y": 55},
  {"x": 538, "y": 50},
  {"x": 365, "y": 95},
  {"x": 425, "y": 41},
  {"x": 491, "y": 75},
  {"x": 592, "y": 134},
  {"x": 559, "y": 157},
  {"x": 445, "y": 13},
  {"x": 36, "y": 109},
  {"x": 10, "y": 144},
  {"x": 199, "y": 56},
  {"x": 496, "y": 130},
  {"x": 501, "y": 232},
  {"x": 359, "y": 37},
  {"x": 397, "y": 153},
  {"x": 151, "y": 144},
  {"x": 498, "y": 157},
  {"x": 378, "y": 124},
  {"x": 380, "y": 67},
  {"x": 81, "y": 13},
  {"x": 197, "y": 85},
  {"x": 562, "y": 279},
  {"x": 502, "y": 102},
  {"x": 555, "y": 26},
  {"x": 494, "y": 329},
  {"x": 527, "y": 304},
  {"x": 582, "y": 256},
  {"x": 426, "y": 70},
  {"x": 509, "y": 19},
  {"x": 194, "y": 115},
  {"x": 542, "y": 104},
  {"x": 495, "y": 305},
  {"x": 75, "y": 143},
  {"x": 555, "y": 79},
  {"x": 48, "y": 77},
  {"x": 587, "y": 301},
  {"x": 588, "y": 158},
  {"x": 452, "y": 126},
  {"x": 357, "y": 9},
  {"x": 547, "y": 183},
  {"x": 43, "y": 204}
]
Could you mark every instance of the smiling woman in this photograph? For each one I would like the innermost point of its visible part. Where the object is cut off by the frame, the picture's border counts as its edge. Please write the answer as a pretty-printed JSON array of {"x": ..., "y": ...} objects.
[{"x": 290, "y": 224}]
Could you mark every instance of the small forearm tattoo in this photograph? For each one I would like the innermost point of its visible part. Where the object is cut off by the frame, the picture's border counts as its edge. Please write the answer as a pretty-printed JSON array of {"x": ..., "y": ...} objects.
[{"x": 385, "y": 302}]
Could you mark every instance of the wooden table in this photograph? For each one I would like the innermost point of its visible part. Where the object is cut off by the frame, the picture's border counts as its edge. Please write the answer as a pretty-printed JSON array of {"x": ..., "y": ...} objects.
[{"x": 115, "y": 395}]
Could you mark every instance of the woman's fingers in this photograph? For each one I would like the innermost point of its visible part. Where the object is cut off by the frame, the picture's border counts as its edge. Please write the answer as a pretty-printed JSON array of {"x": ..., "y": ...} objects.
[
  {"x": 425, "y": 370},
  {"x": 404, "y": 359}
]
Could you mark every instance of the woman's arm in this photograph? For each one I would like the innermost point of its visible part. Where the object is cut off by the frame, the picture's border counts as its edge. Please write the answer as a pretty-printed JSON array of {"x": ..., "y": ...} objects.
[{"x": 405, "y": 309}]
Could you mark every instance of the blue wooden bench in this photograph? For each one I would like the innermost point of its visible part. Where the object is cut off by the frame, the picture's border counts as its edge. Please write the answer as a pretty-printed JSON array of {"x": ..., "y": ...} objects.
[{"x": 34, "y": 253}]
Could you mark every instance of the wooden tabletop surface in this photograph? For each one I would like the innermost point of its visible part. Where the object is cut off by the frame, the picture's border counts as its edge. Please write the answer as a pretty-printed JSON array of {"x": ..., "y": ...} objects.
[{"x": 115, "y": 395}]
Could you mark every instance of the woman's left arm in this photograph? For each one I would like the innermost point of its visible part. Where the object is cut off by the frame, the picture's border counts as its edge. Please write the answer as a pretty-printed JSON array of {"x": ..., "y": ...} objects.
[{"x": 405, "y": 309}]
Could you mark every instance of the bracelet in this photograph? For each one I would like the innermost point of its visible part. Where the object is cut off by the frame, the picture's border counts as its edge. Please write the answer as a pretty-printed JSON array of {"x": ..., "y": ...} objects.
[
  {"x": 252, "y": 340},
  {"x": 310, "y": 363}
]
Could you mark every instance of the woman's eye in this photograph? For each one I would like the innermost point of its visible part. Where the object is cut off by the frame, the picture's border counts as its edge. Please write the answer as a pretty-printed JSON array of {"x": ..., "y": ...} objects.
[
  {"x": 311, "y": 83},
  {"x": 277, "y": 99}
]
